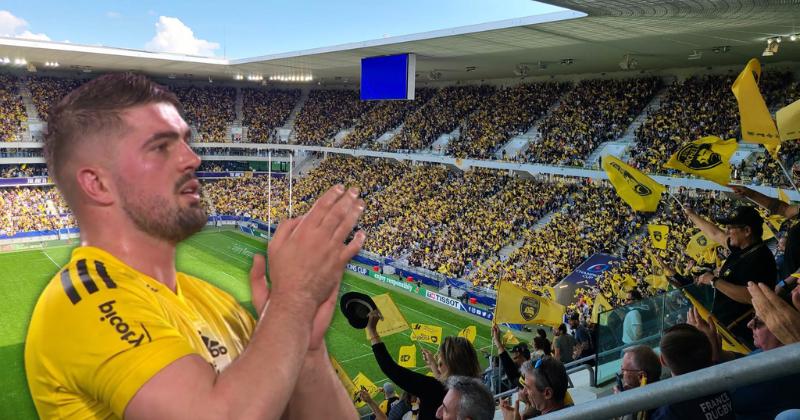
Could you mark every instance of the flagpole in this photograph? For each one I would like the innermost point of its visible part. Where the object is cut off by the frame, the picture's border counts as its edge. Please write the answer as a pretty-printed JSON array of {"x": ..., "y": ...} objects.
[
  {"x": 676, "y": 200},
  {"x": 786, "y": 174},
  {"x": 491, "y": 340}
]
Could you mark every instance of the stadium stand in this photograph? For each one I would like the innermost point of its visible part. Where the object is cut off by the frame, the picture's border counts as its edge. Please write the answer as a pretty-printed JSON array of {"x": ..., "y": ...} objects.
[
  {"x": 47, "y": 91},
  {"x": 438, "y": 116},
  {"x": 383, "y": 117},
  {"x": 21, "y": 171},
  {"x": 209, "y": 109},
  {"x": 12, "y": 111},
  {"x": 265, "y": 110},
  {"x": 325, "y": 113},
  {"x": 32, "y": 209},
  {"x": 510, "y": 111},
  {"x": 593, "y": 112}
]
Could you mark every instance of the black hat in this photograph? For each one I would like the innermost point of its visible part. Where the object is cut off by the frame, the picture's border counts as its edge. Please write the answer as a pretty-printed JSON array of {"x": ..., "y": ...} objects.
[
  {"x": 355, "y": 307},
  {"x": 744, "y": 216},
  {"x": 522, "y": 348}
]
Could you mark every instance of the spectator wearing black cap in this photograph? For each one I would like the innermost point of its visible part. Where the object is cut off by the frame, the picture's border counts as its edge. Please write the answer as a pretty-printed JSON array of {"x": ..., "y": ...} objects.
[
  {"x": 749, "y": 260},
  {"x": 510, "y": 363}
]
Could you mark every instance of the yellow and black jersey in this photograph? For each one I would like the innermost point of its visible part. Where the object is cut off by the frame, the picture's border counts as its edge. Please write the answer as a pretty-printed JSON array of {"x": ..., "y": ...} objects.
[{"x": 101, "y": 329}]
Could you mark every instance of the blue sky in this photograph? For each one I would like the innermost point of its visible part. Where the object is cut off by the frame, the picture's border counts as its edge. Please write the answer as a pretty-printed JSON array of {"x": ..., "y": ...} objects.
[{"x": 244, "y": 29}]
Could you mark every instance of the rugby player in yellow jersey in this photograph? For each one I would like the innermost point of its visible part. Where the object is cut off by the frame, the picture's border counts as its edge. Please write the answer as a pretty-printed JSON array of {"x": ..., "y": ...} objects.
[{"x": 119, "y": 332}]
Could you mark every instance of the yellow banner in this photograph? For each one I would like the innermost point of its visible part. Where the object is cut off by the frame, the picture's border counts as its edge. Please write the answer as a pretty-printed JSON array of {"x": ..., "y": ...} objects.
[
  {"x": 698, "y": 247},
  {"x": 658, "y": 235},
  {"x": 426, "y": 333},
  {"x": 789, "y": 121},
  {"x": 600, "y": 305},
  {"x": 782, "y": 196},
  {"x": 469, "y": 333},
  {"x": 408, "y": 356},
  {"x": 756, "y": 121},
  {"x": 362, "y": 382},
  {"x": 516, "y": 305},
  {"x": 346, "y": 381},
  {"x": 640, "y": 191},
  {"x": 393, "y": 320},
  {"x": 708, "y": 157},
  {"x": 729, "y": 342}
]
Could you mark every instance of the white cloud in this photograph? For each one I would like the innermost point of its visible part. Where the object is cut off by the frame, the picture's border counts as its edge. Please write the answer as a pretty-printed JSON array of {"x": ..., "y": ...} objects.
[
  {"x": 16, "y": 27},
  {"x": 174, "y": 36},
  {"x": 113, "y": 15}
]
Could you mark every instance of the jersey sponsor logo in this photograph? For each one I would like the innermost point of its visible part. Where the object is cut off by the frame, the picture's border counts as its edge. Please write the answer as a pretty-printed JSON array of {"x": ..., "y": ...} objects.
[
  {"x": 126, "y": 333},
  {"x": 215, "y": 348},
  {"x": 86, "y": 279}
]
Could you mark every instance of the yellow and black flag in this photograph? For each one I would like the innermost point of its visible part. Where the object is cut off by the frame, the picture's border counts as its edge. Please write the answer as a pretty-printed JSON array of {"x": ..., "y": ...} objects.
[
  {"x": 756, "y": 121},
  {"x": 600, "y": 305},
  {"x": 408, "y": 356},
  {"x": 729, "y": 342},
  {"x": 640, "y": 191},
  {"x": 708, "y": 157},
  {"x": 788, "y": 119},
  {"x": 699, "y": 247},
  {"x": 469, "y": 333},
  {"x": 516, "y": 305},
  {"x": 658, "y": 235}
]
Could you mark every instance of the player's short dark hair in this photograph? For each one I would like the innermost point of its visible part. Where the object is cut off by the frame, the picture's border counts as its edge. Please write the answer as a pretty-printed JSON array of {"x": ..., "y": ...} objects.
[
  {"x": 94, "y": 109},
  {"x": 685, "y": 349}
]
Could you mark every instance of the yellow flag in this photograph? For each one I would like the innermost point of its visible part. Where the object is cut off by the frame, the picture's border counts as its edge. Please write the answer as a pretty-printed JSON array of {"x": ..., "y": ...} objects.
[
  {"x": 408, "y": 356},
  {"x": 658, "y": 235},
  {"x": 789, "y": 121},
  {"x": 729, "y": 342},
  {"x": 600, "y": 305},
  {"x": 698, "y": 246},
  {"x": 640, "y": 191},
  {"x": 393, "y": 320},
  {"x": 346, "y": 381},
  {"x": 756, "y": 122},
  {"x": 656, "y": 281},
  {"x": 509, "y": 339},
  {"x": 516, "y": 305},
  {"x": 362, "y": 382},
  {"x": 708, "y": 157},
  {"x": 469, "y": 333},
  {"x": 426, "y": 333}
]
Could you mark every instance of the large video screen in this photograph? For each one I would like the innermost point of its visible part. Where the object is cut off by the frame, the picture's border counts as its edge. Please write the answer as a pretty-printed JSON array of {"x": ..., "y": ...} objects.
[{"x": 388, "y": 77}]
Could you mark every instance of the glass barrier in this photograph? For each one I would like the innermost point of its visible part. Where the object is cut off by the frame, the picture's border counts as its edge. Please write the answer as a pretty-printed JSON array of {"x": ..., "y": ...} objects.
[{"x": 656, "y": 313}]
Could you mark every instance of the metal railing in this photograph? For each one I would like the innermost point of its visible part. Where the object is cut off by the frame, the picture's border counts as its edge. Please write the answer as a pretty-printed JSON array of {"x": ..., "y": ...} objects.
[{"x": 749, "y": 370}]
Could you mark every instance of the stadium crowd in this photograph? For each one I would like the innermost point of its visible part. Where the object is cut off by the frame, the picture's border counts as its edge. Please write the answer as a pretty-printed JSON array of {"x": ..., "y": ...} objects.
[
  {"x": 593, "y": 112},
  {"x": 12, "y": 111},
  {"x": 508, "y": 112},
  {"x": 440, "y": 115},
  {"x": 209, "y": 109},
  {"x": 263, "y": 111},
  {"x": 22, "y": 171},
  {"x": 325, "y": 113},
  {"x": 28, "y": 209},
  {"x": 384, "y": 116},
  {"x": 47, "y": 91}
]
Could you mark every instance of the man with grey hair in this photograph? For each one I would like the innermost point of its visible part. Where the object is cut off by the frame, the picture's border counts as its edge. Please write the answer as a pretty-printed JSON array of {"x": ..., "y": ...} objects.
[
  {"x": 466, "y": 398},
  {"x": 640, "y": 366}
]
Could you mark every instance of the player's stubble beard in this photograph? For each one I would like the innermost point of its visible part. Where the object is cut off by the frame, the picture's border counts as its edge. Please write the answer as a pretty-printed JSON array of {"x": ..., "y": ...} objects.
[{"x": 160, "y": 217}]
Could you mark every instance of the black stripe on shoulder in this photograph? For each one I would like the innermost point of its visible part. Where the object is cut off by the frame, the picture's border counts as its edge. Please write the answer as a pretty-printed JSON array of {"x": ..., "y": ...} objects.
[
  {"x": 101, "y": 270},
  {"x": 83, "y": 273},
  {"x": 69, "y": 289}
]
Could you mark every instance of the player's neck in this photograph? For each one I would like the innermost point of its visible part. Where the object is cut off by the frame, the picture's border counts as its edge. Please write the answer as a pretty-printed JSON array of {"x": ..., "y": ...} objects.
[{"x": 144, "y": 253}]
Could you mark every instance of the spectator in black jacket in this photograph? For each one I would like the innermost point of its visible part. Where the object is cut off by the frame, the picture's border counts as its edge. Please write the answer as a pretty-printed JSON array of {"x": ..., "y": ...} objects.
[
  {"x": 456, "y": 356},
  {"x": 510, "y": 363}
]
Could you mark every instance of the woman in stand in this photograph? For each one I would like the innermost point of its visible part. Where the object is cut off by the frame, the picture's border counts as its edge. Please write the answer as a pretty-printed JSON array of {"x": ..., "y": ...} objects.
[{"x": 456, "y": 356}]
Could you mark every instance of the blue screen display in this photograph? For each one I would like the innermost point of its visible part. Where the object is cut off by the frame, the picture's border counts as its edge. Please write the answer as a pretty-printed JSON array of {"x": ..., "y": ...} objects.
[{"x": 384, "y": 77}]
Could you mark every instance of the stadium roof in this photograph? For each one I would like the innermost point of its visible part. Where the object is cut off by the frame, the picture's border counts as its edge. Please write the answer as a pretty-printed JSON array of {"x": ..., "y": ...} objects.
[{"x": 596, "y": 35}]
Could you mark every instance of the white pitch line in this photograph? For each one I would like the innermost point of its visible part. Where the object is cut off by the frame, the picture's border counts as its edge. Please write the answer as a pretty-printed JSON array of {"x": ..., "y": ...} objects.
[{"x": 51, "y": 259}]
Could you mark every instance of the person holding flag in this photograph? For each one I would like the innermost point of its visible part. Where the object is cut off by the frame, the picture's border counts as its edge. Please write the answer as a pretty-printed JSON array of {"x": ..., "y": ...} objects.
[
  {"x": 456, "y": 356},
  {"x": 791, "y": 254},
  {"x": 749, "y": 260}
]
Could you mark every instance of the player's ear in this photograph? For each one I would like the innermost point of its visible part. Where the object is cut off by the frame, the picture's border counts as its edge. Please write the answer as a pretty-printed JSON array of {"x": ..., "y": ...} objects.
[{"x": 95, "y": 184}]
